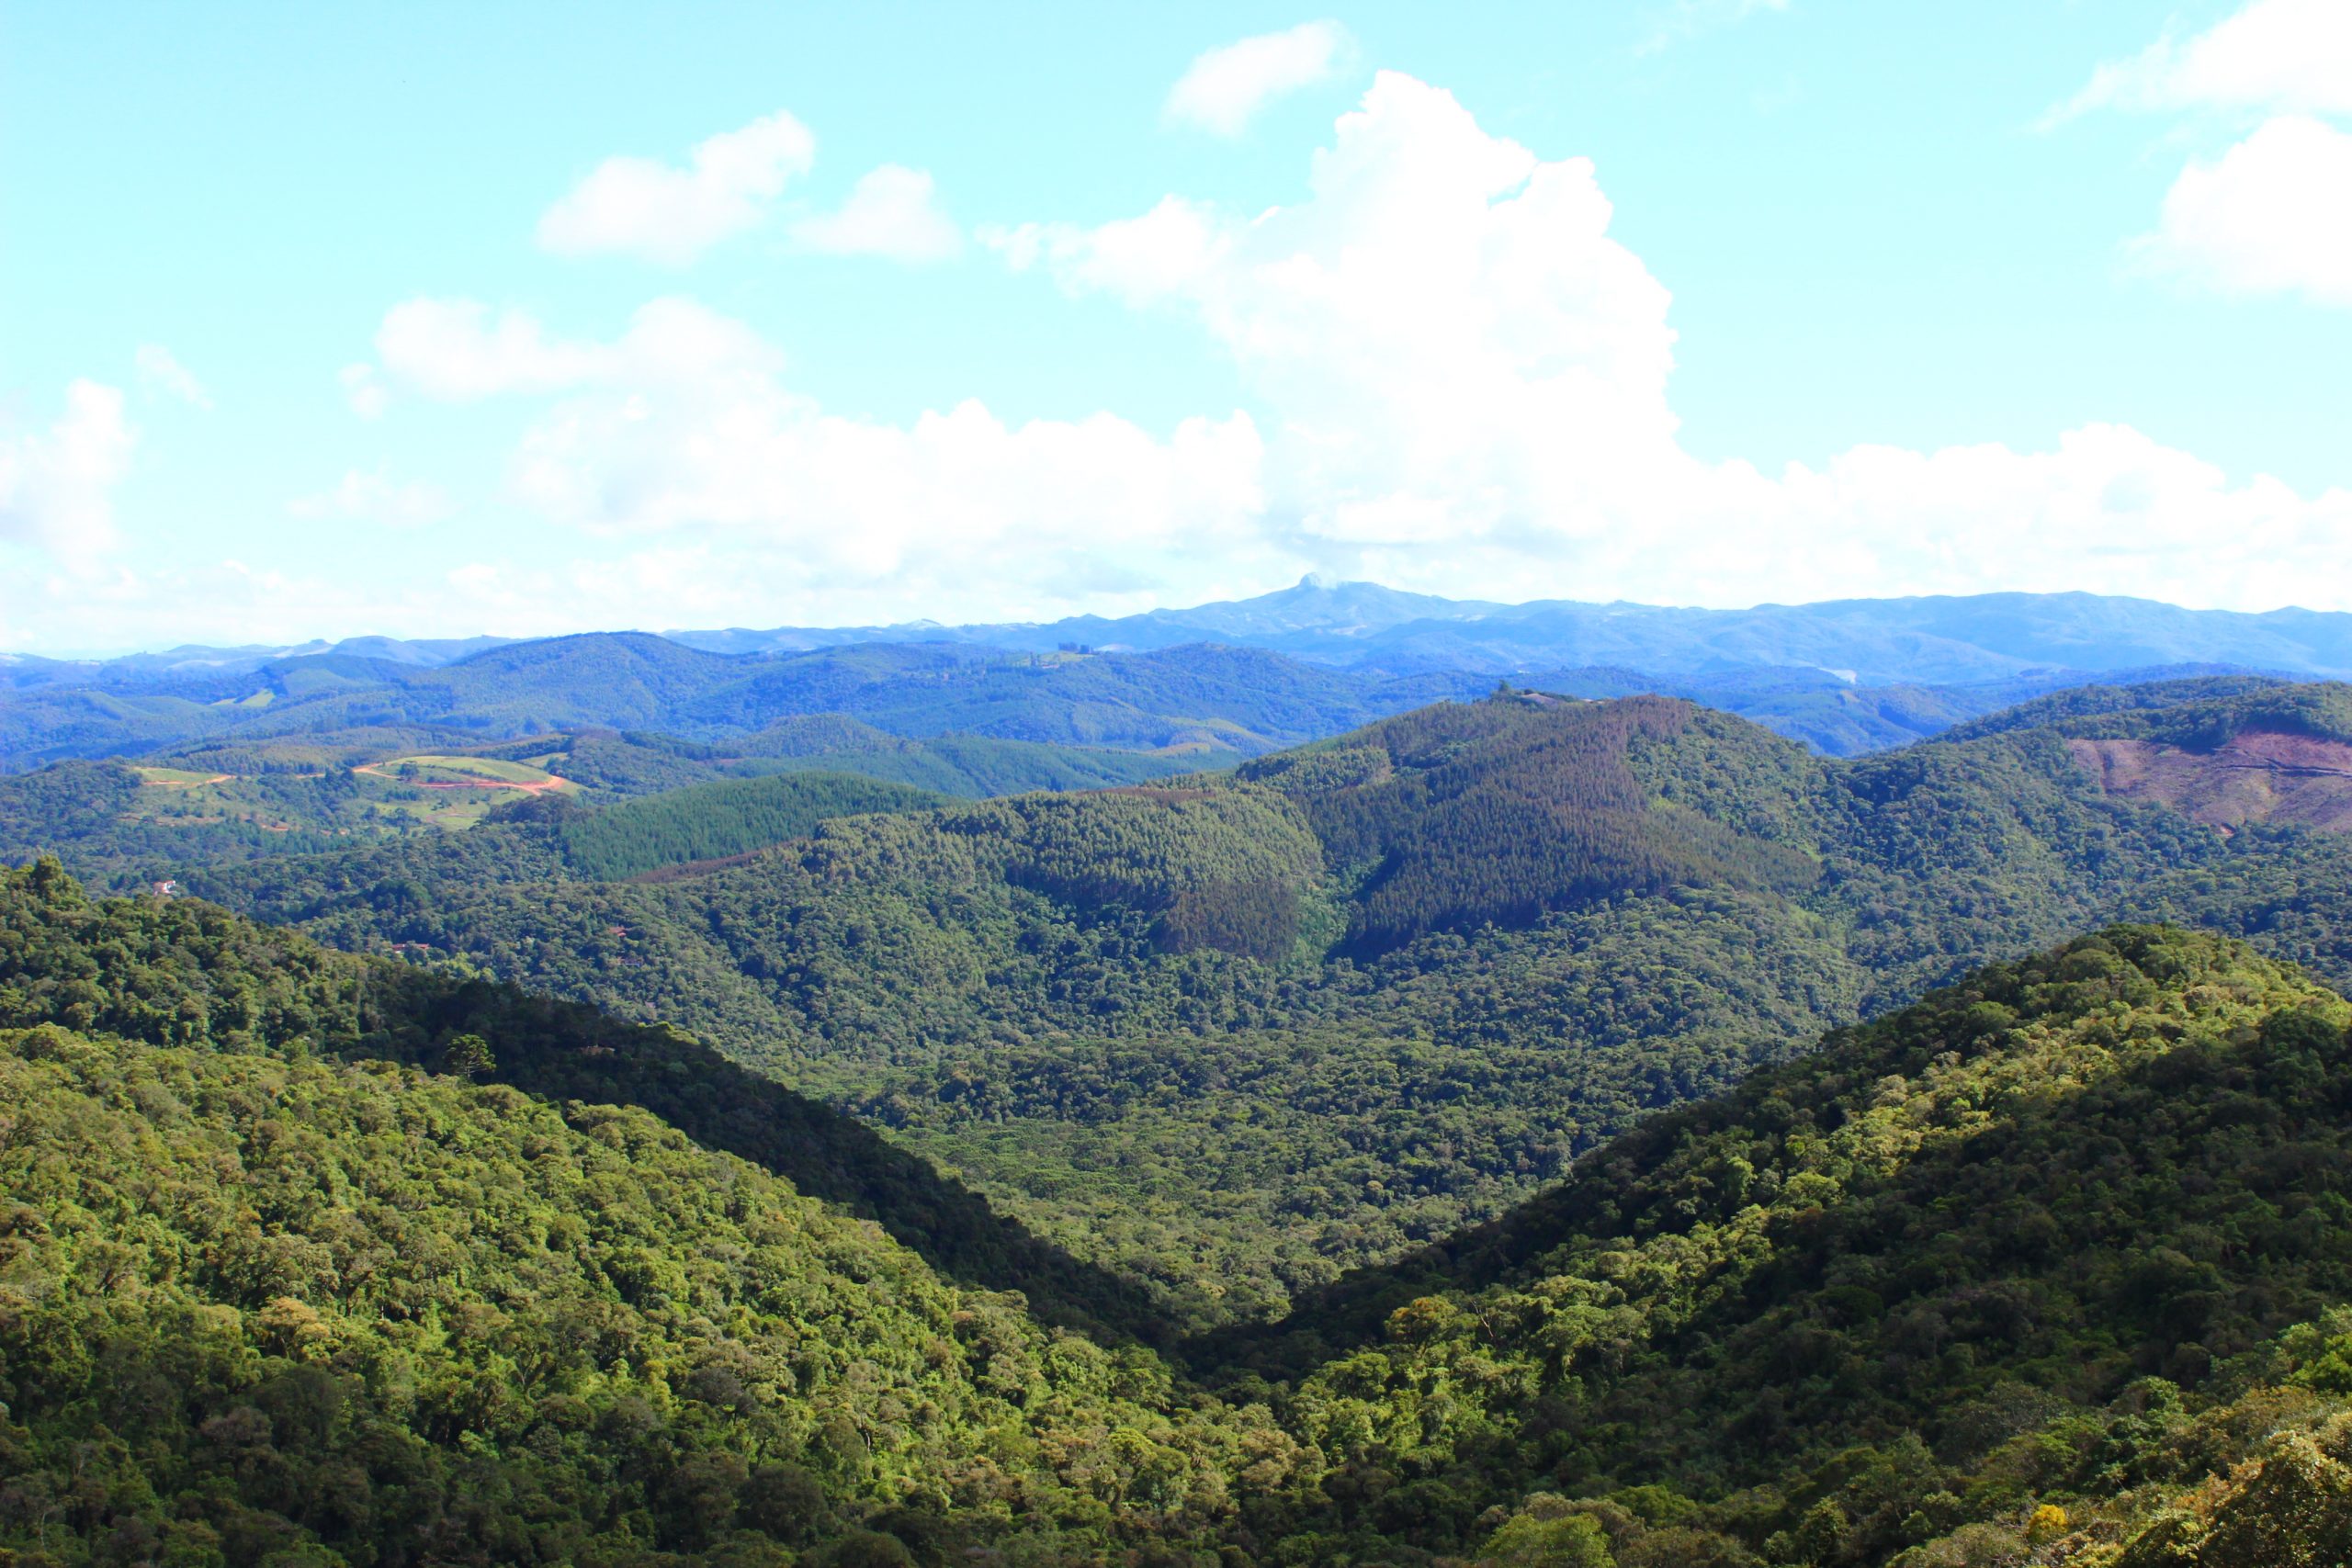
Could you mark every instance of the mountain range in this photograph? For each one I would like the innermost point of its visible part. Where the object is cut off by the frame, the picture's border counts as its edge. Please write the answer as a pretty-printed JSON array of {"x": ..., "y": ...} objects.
[
  {"x": 1228, "y": 679},
  {"x": 1936, "y": 640}
]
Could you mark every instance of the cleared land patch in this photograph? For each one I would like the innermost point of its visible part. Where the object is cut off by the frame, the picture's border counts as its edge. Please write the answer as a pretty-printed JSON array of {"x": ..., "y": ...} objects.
[{"x": 2258, "y": 776}]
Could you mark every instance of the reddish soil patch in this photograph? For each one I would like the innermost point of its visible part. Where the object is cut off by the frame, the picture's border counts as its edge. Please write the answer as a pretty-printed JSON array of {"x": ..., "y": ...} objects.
[{"x": 2259, "y": 776}]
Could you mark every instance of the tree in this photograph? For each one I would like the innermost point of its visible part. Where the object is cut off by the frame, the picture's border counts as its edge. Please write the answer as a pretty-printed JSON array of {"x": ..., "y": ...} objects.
[{"x": 468, "y": 1056}]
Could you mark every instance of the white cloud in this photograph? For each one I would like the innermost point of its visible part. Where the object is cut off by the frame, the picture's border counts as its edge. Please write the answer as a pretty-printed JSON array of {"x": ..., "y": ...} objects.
[
  {"x": 453, "y": 350},
  {"x": 892, "y": 212},
  {"x": 956, "y": 506},
  {"x": 364, "y": 391},
  {"x": 683, "y": 424},
  {"x": 1225, "y": 87},
  {"x": 371, "y": 496},
  {"x": 57, "y": 486},
  {"x": 1458, "y": 380},
  {"x": 2290, "y": 55},
  {"x": 160, "y": 370},
  {"x": 1450, "y": 337},
  {"x": 2272, "y": 216},
  {"x": 639, "y": 207},
  {"x": 2273, "y": 213},
  {"x": 1466, "y": 383},
  {"x": 458, "y": 351}
]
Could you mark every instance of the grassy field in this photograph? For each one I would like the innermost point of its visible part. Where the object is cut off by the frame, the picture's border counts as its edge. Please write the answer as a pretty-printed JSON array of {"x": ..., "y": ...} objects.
[
  {"x": 178, "y": 778},
  {"x": 371, "y": 799},
  {"x": 429, "y": 772},
  {"x": 446, "y": 791}
]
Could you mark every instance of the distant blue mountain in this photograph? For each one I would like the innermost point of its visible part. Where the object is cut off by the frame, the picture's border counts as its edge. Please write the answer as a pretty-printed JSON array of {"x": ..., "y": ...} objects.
[
  {"x": 1846, "y": 676},
  {"x": 1362, "y": 626},
  {"x": 1941, "y": 640}
]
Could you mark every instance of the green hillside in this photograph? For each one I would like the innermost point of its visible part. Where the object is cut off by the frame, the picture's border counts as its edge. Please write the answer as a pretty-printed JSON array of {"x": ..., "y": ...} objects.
[
  {"x": 2025, "y": 1246},
  {"x": 973, "y": 765},
  {"x": 2194, "y": 712},
  {"x": 639, "y": 762},
  {"x": 272, "y": 1291},
  {"x": 127, "y": 827},
  {"x": 317, "y": 1259},
  {"x": 1463, "y": 815},
  {"x": 714, "y": 821},
  {"x": 1231, "y": 1039}
]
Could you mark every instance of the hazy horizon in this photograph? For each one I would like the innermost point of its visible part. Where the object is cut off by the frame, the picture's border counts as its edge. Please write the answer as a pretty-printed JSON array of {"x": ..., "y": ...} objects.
[{"x": 1310, "y": 580}]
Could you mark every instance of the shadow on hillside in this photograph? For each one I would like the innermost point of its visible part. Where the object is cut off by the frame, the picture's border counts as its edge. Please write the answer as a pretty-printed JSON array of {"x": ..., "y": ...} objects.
[{"x": 561, "y": 1051}]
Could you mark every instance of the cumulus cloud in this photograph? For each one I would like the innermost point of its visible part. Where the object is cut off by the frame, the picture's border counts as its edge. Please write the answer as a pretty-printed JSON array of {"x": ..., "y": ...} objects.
[
  {"x": 57, "y": 486},
  {"x": 1225, "y": 87},
  {"x": 371, "y": 496},
  {"x": 1452, "y": 338},
  {"x": 2290, "y": 55},
  {"x": 460, "y": 351},
  {"x": 2273, "y": 215},
  {"x": 1458, "y": 379},
  {"x": 661, "y": 213},
  {"x": 683, "y": 423},
  {"x": 893, "y": 212},
  {"x": 161, "y": 371},
  {"x": 456, "y": 351},
  {"x": 1466, "y": 378}
]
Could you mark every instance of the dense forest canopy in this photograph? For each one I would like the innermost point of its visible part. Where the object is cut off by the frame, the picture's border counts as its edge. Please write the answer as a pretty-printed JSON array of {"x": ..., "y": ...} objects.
[
  {"x": 1260, "y": 1084},
  {"x": 1228, "y": 1037},
  {"x": 323, "y": 1259},
  {"x": 271, "y": 1288}
]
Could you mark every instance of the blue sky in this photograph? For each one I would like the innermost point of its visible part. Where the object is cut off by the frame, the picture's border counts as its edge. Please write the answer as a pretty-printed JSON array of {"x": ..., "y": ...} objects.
[{"x": 327, "y": 320}]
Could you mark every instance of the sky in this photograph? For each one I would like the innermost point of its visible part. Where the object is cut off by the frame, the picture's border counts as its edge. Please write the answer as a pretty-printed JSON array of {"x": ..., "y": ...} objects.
[{"x": 437, "y": 319}]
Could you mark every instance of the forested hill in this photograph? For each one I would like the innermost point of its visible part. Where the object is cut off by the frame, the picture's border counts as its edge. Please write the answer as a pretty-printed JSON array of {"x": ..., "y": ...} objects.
[
  {"x": 124, "y": 828},
  {"x": 952, "y": 763},
  {"x": 2204, "y": 712},
  {"x": 279, "y": 1283},
  {"x": 176, "y": 971},
  {"x": 316, "y": 1261},
  {"x": 2003, "y": 1278},
  {"x": 1230, "y": 1035}
]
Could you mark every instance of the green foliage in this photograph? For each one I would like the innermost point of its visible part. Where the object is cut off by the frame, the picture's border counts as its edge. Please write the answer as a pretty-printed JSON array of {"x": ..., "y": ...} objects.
[
  {"x": 173, "y": 972},
  {"x": 717, "y": 820},
  {"x": 121, "y": 831},
  {"x": 1232, "y": 1035},
  {"x": 1924, "y": 1272},
  {"x": 263, "y": 1292},
  {"x": 468, "y": 1056},
  {"x": 1502, "y": 812},
  {"x": 2052, "y": 1261},
  {"x": 2205, "y": 709},
  {"x": 974, "y": 765},
  {"x": 124, "y": 833}
]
